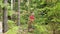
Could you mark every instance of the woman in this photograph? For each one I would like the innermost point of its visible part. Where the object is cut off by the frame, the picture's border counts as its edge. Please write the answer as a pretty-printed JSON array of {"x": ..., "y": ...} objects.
[{"x": 31, "y": 20}]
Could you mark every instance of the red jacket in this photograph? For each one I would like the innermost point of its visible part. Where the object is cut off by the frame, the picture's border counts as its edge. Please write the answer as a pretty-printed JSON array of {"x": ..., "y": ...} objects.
[{"x": 32, "y": 17}]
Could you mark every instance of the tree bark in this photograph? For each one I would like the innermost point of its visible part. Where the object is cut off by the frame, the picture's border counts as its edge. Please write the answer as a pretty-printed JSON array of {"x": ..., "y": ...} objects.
[
  {"x": 11, "y": 4},
  {"x": 5, "y": 27},
  {"x": 18, "y": 19},
  {"x": 54, "y": 27},
  {"x": 54, "y": 31}
]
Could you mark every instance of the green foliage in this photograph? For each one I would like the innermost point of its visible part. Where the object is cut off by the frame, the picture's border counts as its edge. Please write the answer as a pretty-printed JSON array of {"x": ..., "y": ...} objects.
[
  {"x": 40, "y": 29},
  {"x": 14, "y": 30},
  {"x": 46, "y": 11},
  {"x": 11, "y": 24},
  {"x": 10, "y": 12},
  {"x": 2, "y": 5}
]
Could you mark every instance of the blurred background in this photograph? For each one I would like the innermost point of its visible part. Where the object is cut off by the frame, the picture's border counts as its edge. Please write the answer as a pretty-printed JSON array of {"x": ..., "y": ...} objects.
[{"x": 14, "y": 16}]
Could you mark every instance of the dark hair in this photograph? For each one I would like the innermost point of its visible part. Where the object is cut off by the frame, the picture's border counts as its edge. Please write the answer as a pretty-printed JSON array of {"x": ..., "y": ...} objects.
[{"x": 31, "y": 12}]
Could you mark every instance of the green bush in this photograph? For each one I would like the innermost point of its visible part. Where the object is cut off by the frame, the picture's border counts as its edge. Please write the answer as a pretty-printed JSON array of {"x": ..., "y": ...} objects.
[
  {"x": 11, "y": 24},
  {"x": 14, "y": 30}
]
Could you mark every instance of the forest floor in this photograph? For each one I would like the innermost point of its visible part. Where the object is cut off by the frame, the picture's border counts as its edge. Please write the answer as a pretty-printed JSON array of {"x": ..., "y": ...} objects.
[{"x": 23, "y": 30}]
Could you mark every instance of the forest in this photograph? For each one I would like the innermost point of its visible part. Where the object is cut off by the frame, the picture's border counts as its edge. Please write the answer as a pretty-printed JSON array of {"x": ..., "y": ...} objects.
[{"x": 30, "y": 16}]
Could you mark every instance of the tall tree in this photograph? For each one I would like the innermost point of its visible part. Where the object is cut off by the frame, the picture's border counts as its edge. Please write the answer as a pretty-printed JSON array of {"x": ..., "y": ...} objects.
[
  {"x": 18, "y": 18},
  {"x": 11, "y": 4},
  {"x": 11, "y": 7},
  {"x": 5, "y": 27}
]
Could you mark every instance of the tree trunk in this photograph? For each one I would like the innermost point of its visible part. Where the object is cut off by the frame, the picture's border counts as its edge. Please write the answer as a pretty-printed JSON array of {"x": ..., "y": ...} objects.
[
  {"x": 54, "y": 31},
  {"x": 28, "y": 5},
  {"x": 54, "y": 27},
  {"x": 0, "y": 12},
  {"x": 18, "y": 18},
  {"x": 5, "y": 28},
  {"x": 11, "y": 4},
  {"x": 11, "y": 7}
]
